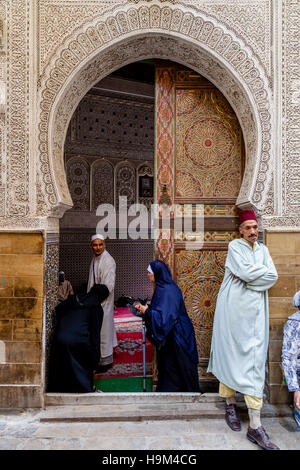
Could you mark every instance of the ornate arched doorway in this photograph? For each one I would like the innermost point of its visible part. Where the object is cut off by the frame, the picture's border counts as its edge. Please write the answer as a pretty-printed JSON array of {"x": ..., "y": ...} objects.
[
  {"x": 198, "y": 169},
  {"x": 134, "y": 34}
]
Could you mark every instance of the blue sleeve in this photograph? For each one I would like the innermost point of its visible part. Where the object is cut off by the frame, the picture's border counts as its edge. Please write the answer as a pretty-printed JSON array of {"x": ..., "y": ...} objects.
[{"x": 290, "y": 353}]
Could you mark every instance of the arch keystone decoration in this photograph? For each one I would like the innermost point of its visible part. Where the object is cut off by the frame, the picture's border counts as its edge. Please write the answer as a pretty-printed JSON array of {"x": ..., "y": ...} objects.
[{"x": 143, "y": 31}]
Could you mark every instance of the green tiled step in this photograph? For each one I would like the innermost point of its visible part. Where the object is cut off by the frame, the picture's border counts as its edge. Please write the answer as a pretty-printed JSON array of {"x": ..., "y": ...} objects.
[{"x": 123, "y": 384}]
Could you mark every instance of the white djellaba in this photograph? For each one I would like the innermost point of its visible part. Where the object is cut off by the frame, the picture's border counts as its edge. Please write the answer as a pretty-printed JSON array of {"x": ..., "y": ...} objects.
[{"x": 103, "y": 271}]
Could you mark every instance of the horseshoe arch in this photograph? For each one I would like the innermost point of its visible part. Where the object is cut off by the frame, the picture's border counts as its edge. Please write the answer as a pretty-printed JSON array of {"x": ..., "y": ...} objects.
[{"x": 167, "y": 32}]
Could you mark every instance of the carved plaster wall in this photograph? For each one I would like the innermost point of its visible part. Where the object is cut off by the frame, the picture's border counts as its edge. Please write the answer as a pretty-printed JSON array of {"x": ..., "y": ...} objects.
[
  {"x": 239, "y": 16},
  {"x": 53, "y": 51},
  {"x": 291, "y": 106},
  {"x": 59, "y": 18},
  {"x": 287, "y": 216},
  {"x": 170, "y": 32},
  {"x": 14, "y": 196}
]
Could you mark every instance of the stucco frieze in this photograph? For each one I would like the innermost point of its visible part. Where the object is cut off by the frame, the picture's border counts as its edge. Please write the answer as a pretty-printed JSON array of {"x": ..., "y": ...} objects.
[
  {"x": 165, "y": 31},
  {"x": 81, "y": 42},
  {"x": 291, "y": 108},
  {"x": 250, "y": 19},
  {"x": 17, "y": 121}
]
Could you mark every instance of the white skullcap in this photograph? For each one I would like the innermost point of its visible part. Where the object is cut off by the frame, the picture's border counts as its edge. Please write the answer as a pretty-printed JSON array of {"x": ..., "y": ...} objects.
[
  {"x": 150, "y": 270},
  {"x": 94, "y": 237}
]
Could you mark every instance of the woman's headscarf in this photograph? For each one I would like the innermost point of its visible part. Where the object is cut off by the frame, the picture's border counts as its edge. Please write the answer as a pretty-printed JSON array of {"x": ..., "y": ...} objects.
[
  {"x": 169, "y": 312},
  {"x": 100, "y": 291},
  {"x": 97, "y": 294}
]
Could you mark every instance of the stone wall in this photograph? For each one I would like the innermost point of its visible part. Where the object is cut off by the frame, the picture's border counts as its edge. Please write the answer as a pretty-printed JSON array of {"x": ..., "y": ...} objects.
[
  {"x": 284, "y": 248},
  {"x": 21, "y": 311}
]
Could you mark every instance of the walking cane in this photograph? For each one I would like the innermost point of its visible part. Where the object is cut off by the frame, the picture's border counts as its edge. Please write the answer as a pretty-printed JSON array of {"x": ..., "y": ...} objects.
[
  {"x": 144, "y": 302},
  {"x": 138, "y": 314},
  {"x": 144, "y": 355}
]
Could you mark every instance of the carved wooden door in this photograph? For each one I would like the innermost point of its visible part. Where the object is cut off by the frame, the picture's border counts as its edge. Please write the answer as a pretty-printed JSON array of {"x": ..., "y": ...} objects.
[{"x": 199, "y": 164}]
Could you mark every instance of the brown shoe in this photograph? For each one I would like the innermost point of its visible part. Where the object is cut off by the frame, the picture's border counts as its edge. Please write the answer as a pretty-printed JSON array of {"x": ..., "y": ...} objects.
[
  {"x": 232, "y": 418},
  {"x": 261, "y": 438}
]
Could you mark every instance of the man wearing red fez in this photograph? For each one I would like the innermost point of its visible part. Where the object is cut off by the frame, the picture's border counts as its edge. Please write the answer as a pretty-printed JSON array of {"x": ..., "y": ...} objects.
[{"x": 241, "y": 327}]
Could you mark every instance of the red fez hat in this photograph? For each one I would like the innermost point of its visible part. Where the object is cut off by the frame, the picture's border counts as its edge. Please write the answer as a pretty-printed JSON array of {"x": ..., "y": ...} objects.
[{"x": 246, "y": 215}]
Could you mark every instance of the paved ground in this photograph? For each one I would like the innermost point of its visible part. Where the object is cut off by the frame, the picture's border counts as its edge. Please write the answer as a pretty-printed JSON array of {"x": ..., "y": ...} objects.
[{"x": 24, "y": 431}]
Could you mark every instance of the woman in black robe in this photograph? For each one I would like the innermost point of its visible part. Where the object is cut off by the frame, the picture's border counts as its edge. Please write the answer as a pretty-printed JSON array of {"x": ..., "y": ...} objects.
[
  {"x": 75, "y": 349},
  {"x": 171, "y": 330}
]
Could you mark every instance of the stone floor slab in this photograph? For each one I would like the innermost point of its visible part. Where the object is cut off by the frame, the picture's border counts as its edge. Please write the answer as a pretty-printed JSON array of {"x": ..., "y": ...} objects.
[{"x": 26, "y": 431}]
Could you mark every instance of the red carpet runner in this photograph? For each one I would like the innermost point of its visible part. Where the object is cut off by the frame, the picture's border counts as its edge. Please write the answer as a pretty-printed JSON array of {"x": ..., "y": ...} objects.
[{"x": 126, "y": 375}]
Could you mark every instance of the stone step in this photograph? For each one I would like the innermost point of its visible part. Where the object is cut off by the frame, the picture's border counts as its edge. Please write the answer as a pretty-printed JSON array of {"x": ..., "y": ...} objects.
[
  {"x": 132, "y": 412},
  {"x": 62, "y": 399},
  {"x": 148, "y": 411}
]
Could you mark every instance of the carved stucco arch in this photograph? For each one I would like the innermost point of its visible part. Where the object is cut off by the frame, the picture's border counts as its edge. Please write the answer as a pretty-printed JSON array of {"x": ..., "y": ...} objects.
[{"x": 153, "y": 31}]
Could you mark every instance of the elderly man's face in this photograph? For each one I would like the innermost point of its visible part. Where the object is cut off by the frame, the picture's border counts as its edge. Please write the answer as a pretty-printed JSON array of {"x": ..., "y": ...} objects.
[
  {"x": 249, "y": 230},
  {"x": 98, "y": 246}
]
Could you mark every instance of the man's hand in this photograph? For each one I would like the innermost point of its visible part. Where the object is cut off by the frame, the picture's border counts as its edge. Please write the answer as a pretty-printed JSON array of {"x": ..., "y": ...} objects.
[
  {"x": 236, "y": 277},
  {"x": 141, "y": 308},
  {"x": 297, "y": 399}
]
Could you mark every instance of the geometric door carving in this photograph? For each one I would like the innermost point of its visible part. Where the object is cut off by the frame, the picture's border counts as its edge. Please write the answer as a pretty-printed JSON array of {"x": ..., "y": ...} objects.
[{"x": 199, "y": 155}]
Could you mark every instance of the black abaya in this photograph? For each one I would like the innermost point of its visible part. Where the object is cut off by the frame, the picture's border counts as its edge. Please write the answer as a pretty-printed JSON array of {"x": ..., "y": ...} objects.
[
  {"x": 171, "y": 330},
  {"x": 176, "y": 370},
  {"x": 75, "y": 349}
]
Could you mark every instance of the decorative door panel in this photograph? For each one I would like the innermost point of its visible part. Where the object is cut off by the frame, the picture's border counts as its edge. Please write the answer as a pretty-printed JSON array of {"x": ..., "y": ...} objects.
[
  {"x": 208, "y": 146},
  {"x": 199, "y": 166},
  {"x": 199, "y": 275},
  {"x": 164, "y": 150}
]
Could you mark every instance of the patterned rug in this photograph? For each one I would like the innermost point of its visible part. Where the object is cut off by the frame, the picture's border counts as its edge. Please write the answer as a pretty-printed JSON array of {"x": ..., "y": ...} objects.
[{"x": 126, "y": 375}]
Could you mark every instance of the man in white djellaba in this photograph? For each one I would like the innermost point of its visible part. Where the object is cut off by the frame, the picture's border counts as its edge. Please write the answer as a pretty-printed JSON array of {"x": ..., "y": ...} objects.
[
  {"x": 103, "y": 271},
  {"x": 241, "y": 328}
]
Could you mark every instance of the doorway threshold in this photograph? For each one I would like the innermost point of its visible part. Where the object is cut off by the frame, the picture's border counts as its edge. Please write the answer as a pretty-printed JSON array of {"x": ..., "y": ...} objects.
[
  {"x": 128, "y": 398},
  {"x": 105, "y": 407},
  {"x": 138, "y": 406}
]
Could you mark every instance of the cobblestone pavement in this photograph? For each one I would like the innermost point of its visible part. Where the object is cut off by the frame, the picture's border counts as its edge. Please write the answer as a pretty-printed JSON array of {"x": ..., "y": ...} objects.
[{"x": 24, "y": 431}]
